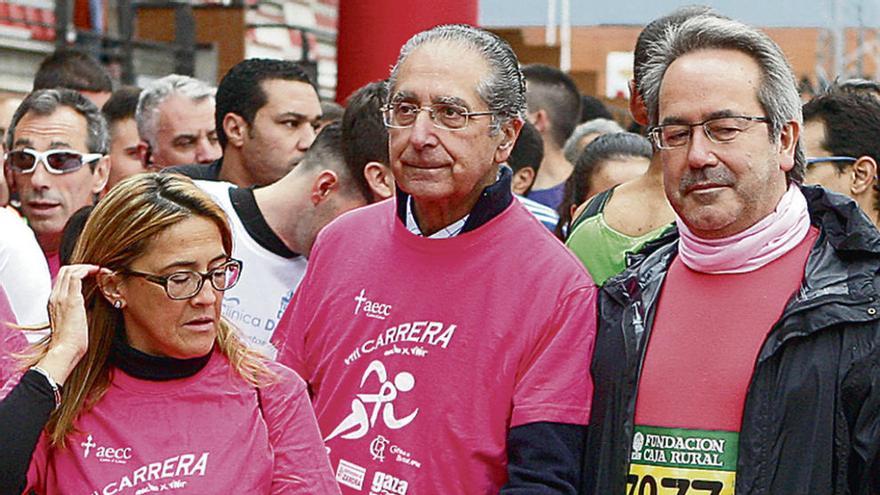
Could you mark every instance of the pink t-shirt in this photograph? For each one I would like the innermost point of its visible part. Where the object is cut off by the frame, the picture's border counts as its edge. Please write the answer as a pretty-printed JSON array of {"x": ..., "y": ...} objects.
[
  {"x": 11, "y": 341},
  {"x": 706, "y": 338},
  {"x": 702, "y": 350},
  {"x": 203, "y": 434},
  {"x": 421, "y": 354},
  {"x": 54, "y": 261}
]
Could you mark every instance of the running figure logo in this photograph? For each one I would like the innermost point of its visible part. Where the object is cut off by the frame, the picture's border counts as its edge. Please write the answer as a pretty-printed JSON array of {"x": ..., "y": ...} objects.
[{"x": 358, "y": 423}]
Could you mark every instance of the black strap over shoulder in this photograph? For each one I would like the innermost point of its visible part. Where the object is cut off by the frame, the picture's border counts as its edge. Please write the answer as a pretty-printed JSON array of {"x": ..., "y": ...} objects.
[{"x": 595, "y": 205}]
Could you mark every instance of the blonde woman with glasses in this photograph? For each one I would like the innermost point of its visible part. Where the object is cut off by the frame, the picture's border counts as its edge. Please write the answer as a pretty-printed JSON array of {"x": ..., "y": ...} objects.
[{"x": 142, "y": 385}]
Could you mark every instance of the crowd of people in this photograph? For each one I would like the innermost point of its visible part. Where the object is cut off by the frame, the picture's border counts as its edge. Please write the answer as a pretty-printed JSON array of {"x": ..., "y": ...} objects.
[{"x": 242, "y": 289}]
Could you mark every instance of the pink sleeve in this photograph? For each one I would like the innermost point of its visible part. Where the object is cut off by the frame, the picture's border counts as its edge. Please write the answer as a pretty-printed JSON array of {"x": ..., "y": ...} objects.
[
  {"x": 36, "y": 475},
  {"x": 301, "y": 462},
  {"x": 11, "y": 341},
  {"x": 286, "y": 339},
  {"x": 554, "y": 382},
  {"x": 289, "y": 335}
]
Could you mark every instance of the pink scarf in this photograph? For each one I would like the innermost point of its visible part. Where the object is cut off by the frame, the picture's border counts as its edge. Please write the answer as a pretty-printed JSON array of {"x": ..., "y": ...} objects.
[{"x": 770, "y": 238}]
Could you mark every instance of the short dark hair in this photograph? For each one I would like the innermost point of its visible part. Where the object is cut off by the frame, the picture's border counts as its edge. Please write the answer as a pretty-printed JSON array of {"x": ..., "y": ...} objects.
[
  {"x": 241, "y": 92},
  {"x": 528, "y": 150},
  {"x": 550, "y": 89},
  {"x": 852, "y": 124},
  {"x": 364, "y": 135},
  {"x": 326, "y": 153},
  {"x": 656, "y": 29},
  {"x": 45, "y": 102},
  {"x": 326, "y": 149},
  {"x": 121, "y": 105},
  {"x": 593, "y": 108},
  {"x": 71, "y": 68},
  {"x": 617, "y": 145}
]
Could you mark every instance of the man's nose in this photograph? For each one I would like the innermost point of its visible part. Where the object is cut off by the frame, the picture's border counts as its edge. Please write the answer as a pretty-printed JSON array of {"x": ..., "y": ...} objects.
[
  {"x": 700, "y": 149},
  {"x": 307, "y": 137},
  {"x": 41, "y": 176},
  {"x": 206, "y": 150},
  {"x": 423, "y": 132}
]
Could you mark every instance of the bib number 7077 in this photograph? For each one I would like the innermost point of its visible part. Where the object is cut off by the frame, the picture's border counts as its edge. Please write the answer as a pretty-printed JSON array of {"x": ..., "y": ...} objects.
[{"x": 647, "y": 485}]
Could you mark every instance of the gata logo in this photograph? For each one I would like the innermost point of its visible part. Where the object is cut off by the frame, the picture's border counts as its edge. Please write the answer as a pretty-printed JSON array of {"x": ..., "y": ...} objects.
[
  {"x": 372, "y": 309},
  {"x": 386, "y": 484}
]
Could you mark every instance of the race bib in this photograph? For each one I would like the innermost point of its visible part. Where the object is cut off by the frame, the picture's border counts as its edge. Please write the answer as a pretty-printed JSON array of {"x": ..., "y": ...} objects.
[{"x": 670, "y": 461}]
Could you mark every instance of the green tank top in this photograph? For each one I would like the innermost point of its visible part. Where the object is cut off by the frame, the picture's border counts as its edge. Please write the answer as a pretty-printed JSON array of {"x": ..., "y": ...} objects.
[{"x": 600, "y": 248}]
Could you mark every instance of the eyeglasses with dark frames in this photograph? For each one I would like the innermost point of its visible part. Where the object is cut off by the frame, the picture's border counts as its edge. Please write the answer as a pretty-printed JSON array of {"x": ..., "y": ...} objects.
[
  {"x": 447, "y": 116},
  {"x": 185, "y": 284},
  {"x": 719, "y": 130},
  {"x": 815, "y": 160}
]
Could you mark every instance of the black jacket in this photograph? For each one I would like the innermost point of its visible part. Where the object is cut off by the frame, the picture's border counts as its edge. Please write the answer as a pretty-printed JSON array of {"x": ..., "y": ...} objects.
[
  {"x": 811, "y": 420},
  {"x": 198, "y": 171}
]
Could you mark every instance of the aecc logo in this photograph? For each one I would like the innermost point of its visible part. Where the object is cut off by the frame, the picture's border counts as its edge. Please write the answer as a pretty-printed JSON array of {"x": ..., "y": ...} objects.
[{"x": 372, "y": 309}]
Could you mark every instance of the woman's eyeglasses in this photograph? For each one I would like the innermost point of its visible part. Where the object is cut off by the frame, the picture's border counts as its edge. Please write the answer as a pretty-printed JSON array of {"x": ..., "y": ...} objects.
[{"x": 187, "y": 283}]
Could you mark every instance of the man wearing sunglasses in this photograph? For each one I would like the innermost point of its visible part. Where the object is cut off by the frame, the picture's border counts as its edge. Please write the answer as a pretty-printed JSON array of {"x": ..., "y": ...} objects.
[
  {"x": 840, "y": 141},
  {"x": 55, "y": 161}
]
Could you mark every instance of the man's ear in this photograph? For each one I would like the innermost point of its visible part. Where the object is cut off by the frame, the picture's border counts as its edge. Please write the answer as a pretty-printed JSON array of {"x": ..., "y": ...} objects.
[
  {"x": 637, "y": 105},
  {"x": 145, "y": 154},
  {"x": 324, "y": 184},
  {"x": 541, "y": 121},
  {"x": 380, "y": 180},
  {"x": 235, "y": 128},
  {"x": 100, "y": 174},
  {"x": 111, "y": 286},
  {"x": 864, "y": 175},
  {"x": 788, "y": 140},
  {"x": 509, "y": 131},
  {"x": 522, "y": 180}
]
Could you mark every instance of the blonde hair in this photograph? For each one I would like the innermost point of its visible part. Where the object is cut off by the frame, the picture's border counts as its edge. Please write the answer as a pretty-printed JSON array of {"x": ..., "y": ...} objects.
[{"x": 117, "y": 232}]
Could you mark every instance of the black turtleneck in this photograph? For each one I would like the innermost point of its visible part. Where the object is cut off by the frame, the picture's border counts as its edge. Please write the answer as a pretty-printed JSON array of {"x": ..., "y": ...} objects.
[
  {"x": 26, "y": 410},
  {"x": 143, "y": 366}
]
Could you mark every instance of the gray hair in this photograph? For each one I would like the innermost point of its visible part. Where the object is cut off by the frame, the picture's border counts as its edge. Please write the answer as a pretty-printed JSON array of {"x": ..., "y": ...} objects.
[
  {"x": 777, "y": 94},
  {"x": 147, "y": 114},
  {"x": 503, "y": 90},
  {"x": 45, "y": 102},
  {"x": 572, "y": 150}
]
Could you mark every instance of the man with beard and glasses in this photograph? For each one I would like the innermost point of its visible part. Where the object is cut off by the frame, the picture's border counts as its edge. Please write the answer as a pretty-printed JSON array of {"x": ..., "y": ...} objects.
[
  {"x": 56, "y": 162},
  {"x": 741, "y": 358}
]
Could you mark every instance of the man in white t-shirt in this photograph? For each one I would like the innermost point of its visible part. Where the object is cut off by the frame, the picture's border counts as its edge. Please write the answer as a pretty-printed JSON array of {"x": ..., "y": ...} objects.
[
  {"x": 274, "y": 228},
  {"x": 24, "y": 273}
]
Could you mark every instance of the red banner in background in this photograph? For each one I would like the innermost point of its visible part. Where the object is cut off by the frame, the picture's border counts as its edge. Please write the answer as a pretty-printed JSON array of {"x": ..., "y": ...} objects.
[{"x": 371, "y": 33}]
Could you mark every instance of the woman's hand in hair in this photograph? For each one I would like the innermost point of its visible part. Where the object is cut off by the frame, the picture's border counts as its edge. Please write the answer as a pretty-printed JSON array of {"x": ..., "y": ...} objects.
[{"x": 67, "y": 318}]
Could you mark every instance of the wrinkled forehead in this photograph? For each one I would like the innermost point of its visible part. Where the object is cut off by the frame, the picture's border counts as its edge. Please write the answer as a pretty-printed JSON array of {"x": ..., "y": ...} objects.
[
  {"x": 439, "y": 71},
  {"x": 63, "y": 128},
  {"x": 709, "y": 83}
]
